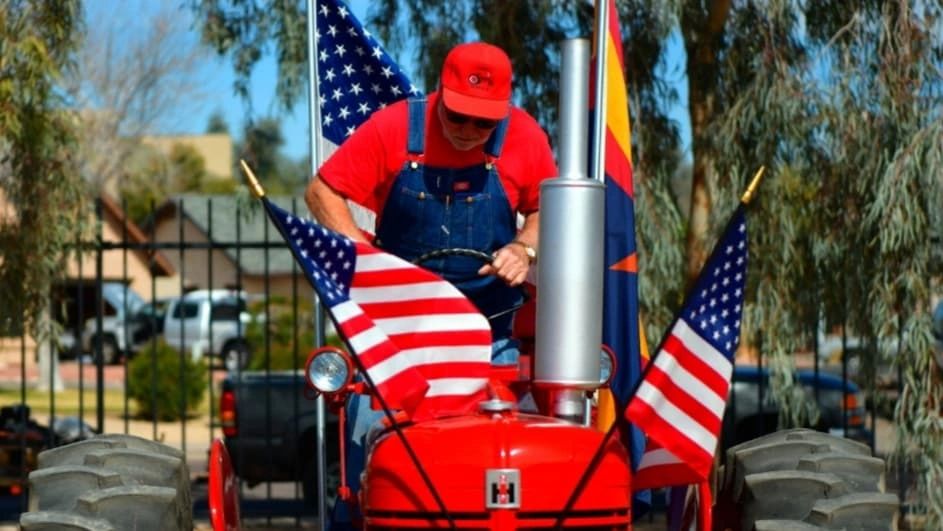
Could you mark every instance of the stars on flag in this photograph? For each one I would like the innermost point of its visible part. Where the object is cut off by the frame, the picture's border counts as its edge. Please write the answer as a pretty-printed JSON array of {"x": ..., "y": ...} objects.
[{"x": 351, "y": 61}]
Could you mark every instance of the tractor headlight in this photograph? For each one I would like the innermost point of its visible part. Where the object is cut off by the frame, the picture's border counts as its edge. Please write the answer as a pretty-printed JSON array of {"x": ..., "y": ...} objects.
[
  {"x": 328, "y": 370},
  {"x": 607, "y": 366}
]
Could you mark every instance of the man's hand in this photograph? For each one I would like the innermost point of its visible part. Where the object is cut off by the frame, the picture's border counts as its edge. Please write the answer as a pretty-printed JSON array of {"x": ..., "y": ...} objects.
[{"x": 510, "y": 264}]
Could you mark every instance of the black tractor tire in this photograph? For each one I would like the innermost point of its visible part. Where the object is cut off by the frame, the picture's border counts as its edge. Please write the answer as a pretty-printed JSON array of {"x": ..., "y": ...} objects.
[
  {"x": 110, "y": 482},
  {"x": 309, "y": 483},
  {"x": 803, "y": 479}
]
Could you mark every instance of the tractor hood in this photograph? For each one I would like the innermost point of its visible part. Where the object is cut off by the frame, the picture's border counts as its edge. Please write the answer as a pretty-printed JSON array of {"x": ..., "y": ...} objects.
[{"x": 491, "y": 466}]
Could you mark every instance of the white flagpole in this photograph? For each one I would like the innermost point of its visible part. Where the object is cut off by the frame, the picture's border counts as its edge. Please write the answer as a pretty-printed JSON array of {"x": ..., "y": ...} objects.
[
  {"x": 597, "y": 168},
  {"x": 314, "y": 107},
  {"x": 314, "y": 123}
]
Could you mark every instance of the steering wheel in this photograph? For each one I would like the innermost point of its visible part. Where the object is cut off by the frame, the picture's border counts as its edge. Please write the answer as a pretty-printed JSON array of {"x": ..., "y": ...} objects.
[
  {"x": 484, "y": 257},
  {"x": 454, "y": 251}
]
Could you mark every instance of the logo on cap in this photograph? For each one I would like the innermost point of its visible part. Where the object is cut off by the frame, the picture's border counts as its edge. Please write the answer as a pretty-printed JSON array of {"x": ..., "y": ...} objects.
[{"x": 480, "y": 78}]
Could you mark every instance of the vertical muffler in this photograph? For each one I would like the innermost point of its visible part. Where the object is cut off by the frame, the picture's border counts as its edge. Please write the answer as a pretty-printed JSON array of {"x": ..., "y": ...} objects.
[{"x": 569, "y": 272}]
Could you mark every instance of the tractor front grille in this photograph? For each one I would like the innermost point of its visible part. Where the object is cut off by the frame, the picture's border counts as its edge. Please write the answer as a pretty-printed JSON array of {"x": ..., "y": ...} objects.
[{"x": 596, "y": 520}]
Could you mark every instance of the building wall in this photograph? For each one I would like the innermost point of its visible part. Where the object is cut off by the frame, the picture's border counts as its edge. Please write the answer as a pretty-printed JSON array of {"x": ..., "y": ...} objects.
[
  {"x": 117, "y": 264},
  {"x": 195, "y": 263},
  {"x": 216, "y": 150}
]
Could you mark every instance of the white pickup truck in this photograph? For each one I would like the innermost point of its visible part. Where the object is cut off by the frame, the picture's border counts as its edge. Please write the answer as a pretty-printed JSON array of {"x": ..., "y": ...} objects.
[{"x": 210, "y": 322}]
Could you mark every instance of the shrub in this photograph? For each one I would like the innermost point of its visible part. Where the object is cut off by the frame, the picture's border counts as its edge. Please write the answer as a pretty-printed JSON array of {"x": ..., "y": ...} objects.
[
  {"x": 280, "y": 328},
  {"x": 154, "y": 383}
]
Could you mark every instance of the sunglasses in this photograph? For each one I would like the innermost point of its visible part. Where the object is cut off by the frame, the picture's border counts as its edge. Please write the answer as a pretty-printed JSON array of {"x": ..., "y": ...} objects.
[{"x": 461, "y": 119}]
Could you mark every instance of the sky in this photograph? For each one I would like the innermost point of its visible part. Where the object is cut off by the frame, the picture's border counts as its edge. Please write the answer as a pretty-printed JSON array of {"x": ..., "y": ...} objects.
[{"x": 128, "y": 18}]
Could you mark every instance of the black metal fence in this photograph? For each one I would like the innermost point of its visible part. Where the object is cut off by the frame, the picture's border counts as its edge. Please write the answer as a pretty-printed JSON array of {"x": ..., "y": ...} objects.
[{"x": 210, "y": 243}]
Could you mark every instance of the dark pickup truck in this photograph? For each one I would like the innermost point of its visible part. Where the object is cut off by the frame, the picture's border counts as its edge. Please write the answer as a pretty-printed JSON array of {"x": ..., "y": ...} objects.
[
  {"x": 269, "y": 429},
  {"x": 752, "y": 411}
]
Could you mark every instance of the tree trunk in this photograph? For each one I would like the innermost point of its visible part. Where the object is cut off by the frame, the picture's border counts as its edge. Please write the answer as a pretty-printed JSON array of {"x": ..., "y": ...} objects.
[
  {"x": 50, "y": 378},
  {"x": 701, "y": 32},
  {"x": 698, "y": 220}
]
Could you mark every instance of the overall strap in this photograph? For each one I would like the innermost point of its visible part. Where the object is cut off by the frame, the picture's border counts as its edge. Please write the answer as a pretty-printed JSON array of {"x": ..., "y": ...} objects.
[
  {"x": 416, "y": 143},
  {"x": 496, "y": 141}
]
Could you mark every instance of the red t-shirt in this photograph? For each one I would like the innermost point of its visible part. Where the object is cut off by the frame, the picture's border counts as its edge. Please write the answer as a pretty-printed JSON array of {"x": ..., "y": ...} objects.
[{"x": 365, "y": 166}]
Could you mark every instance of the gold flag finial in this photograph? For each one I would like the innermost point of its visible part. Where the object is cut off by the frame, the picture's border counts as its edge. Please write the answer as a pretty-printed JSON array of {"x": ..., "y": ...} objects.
[
  {"x": 754, "y": 183},
  {"x": 254, "y": 184}
]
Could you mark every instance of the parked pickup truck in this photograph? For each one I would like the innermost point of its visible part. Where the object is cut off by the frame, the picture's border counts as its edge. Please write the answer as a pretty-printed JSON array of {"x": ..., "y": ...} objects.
[
  {"x": 128, "y": 322},
  {"x": 269, "y": 430},
  {"x": 210, "y": 322}
]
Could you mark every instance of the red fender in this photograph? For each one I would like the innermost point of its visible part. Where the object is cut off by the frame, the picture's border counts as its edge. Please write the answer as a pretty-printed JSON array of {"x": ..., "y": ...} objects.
[{"x": 223, "y": 490}]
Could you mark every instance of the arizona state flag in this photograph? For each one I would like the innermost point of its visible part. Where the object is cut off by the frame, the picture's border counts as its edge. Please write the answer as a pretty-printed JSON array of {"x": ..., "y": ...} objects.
[{"x": 621, "y": 330}]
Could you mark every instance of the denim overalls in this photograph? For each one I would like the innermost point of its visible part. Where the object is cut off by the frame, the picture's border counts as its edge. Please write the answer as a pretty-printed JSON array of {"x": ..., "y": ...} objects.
[{"x": 432, "y": 208}]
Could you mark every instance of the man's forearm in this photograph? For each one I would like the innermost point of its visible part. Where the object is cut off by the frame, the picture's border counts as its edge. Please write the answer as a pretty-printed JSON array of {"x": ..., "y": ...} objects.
[
  {"x": 529, "y": 232},
  {"x": 331, "y": 210}
]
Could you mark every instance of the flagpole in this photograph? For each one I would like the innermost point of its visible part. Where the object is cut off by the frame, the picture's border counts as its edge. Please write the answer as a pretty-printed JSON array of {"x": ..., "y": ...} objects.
[
  {"x": 754, "y": 184},
  {"x": 314, "y": 137},
  {"x": 597, "y": 169},
  {"x": 314, "y": 108},
  {"x": 254, "y": 185}
]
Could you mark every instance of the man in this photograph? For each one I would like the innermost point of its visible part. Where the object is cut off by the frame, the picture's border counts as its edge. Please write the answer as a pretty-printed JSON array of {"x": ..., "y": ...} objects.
[{"x": 450, "y": 171}]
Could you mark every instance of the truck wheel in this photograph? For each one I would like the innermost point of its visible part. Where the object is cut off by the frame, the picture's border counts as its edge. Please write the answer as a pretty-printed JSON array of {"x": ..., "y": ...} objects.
[
  {"x": 803, "y": 479},
  {"x": 109, "y": 353},
  {"x": 236, "y": 356},
  {"x": 309, "y": 483},
  {"x": 110, "y": 482}
]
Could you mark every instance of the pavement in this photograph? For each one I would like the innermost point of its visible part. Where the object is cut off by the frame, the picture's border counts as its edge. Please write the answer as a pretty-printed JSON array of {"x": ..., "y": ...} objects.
[{"x": 72, "y": 372}]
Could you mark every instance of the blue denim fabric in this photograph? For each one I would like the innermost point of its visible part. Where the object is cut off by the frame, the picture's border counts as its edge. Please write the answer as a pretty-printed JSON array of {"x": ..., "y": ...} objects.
[
  {"x": 431, "y": 208},
  {"x": 505, "y": 351}
]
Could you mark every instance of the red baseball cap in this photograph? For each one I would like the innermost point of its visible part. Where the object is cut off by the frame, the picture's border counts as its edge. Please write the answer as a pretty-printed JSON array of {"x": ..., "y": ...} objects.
[{"x": 476, "y": 80}]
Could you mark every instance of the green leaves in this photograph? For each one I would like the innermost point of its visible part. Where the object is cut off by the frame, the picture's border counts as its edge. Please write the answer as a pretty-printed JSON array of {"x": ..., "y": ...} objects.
[{"x": 41, "y": 189}]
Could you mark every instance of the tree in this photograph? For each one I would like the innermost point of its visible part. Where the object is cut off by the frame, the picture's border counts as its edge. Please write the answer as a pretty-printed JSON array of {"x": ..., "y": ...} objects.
[
  {"x": 152, "y": 177},
  {"x": 261, "y": 141},
  {"x": 41, "y": 189},
  {"x": 134, "y": 78},
  {"x": 261, "y": 147},
  {"x": 842, "y": 101},
  {"x": 217, "y": 123}
]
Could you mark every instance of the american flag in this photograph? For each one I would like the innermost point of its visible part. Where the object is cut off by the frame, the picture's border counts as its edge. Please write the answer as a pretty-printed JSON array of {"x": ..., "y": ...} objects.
[
  {"x": 680, "y": 401},
  {"x": 355, "y": 78},
  {"x": 355, "y": 75},
  {"x": 425, "y": 346}
]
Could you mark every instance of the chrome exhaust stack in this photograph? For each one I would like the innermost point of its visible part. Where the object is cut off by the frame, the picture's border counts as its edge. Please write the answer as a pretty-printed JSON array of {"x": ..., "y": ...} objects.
[{"x": 569, "y": 272}]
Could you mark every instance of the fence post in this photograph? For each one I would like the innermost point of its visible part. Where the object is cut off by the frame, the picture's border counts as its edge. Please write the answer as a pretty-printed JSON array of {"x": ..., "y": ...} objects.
[{"x": 99, "y": 324}]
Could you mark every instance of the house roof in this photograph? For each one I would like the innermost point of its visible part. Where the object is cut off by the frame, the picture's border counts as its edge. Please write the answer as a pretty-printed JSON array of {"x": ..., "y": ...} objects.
[
  {"x": 112, "y": 210},
  {"x": 235, "y": 219}
]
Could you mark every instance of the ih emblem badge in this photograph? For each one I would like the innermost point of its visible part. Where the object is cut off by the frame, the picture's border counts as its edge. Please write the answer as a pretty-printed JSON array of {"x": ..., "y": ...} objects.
[{"x": 502, "y": 488}]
